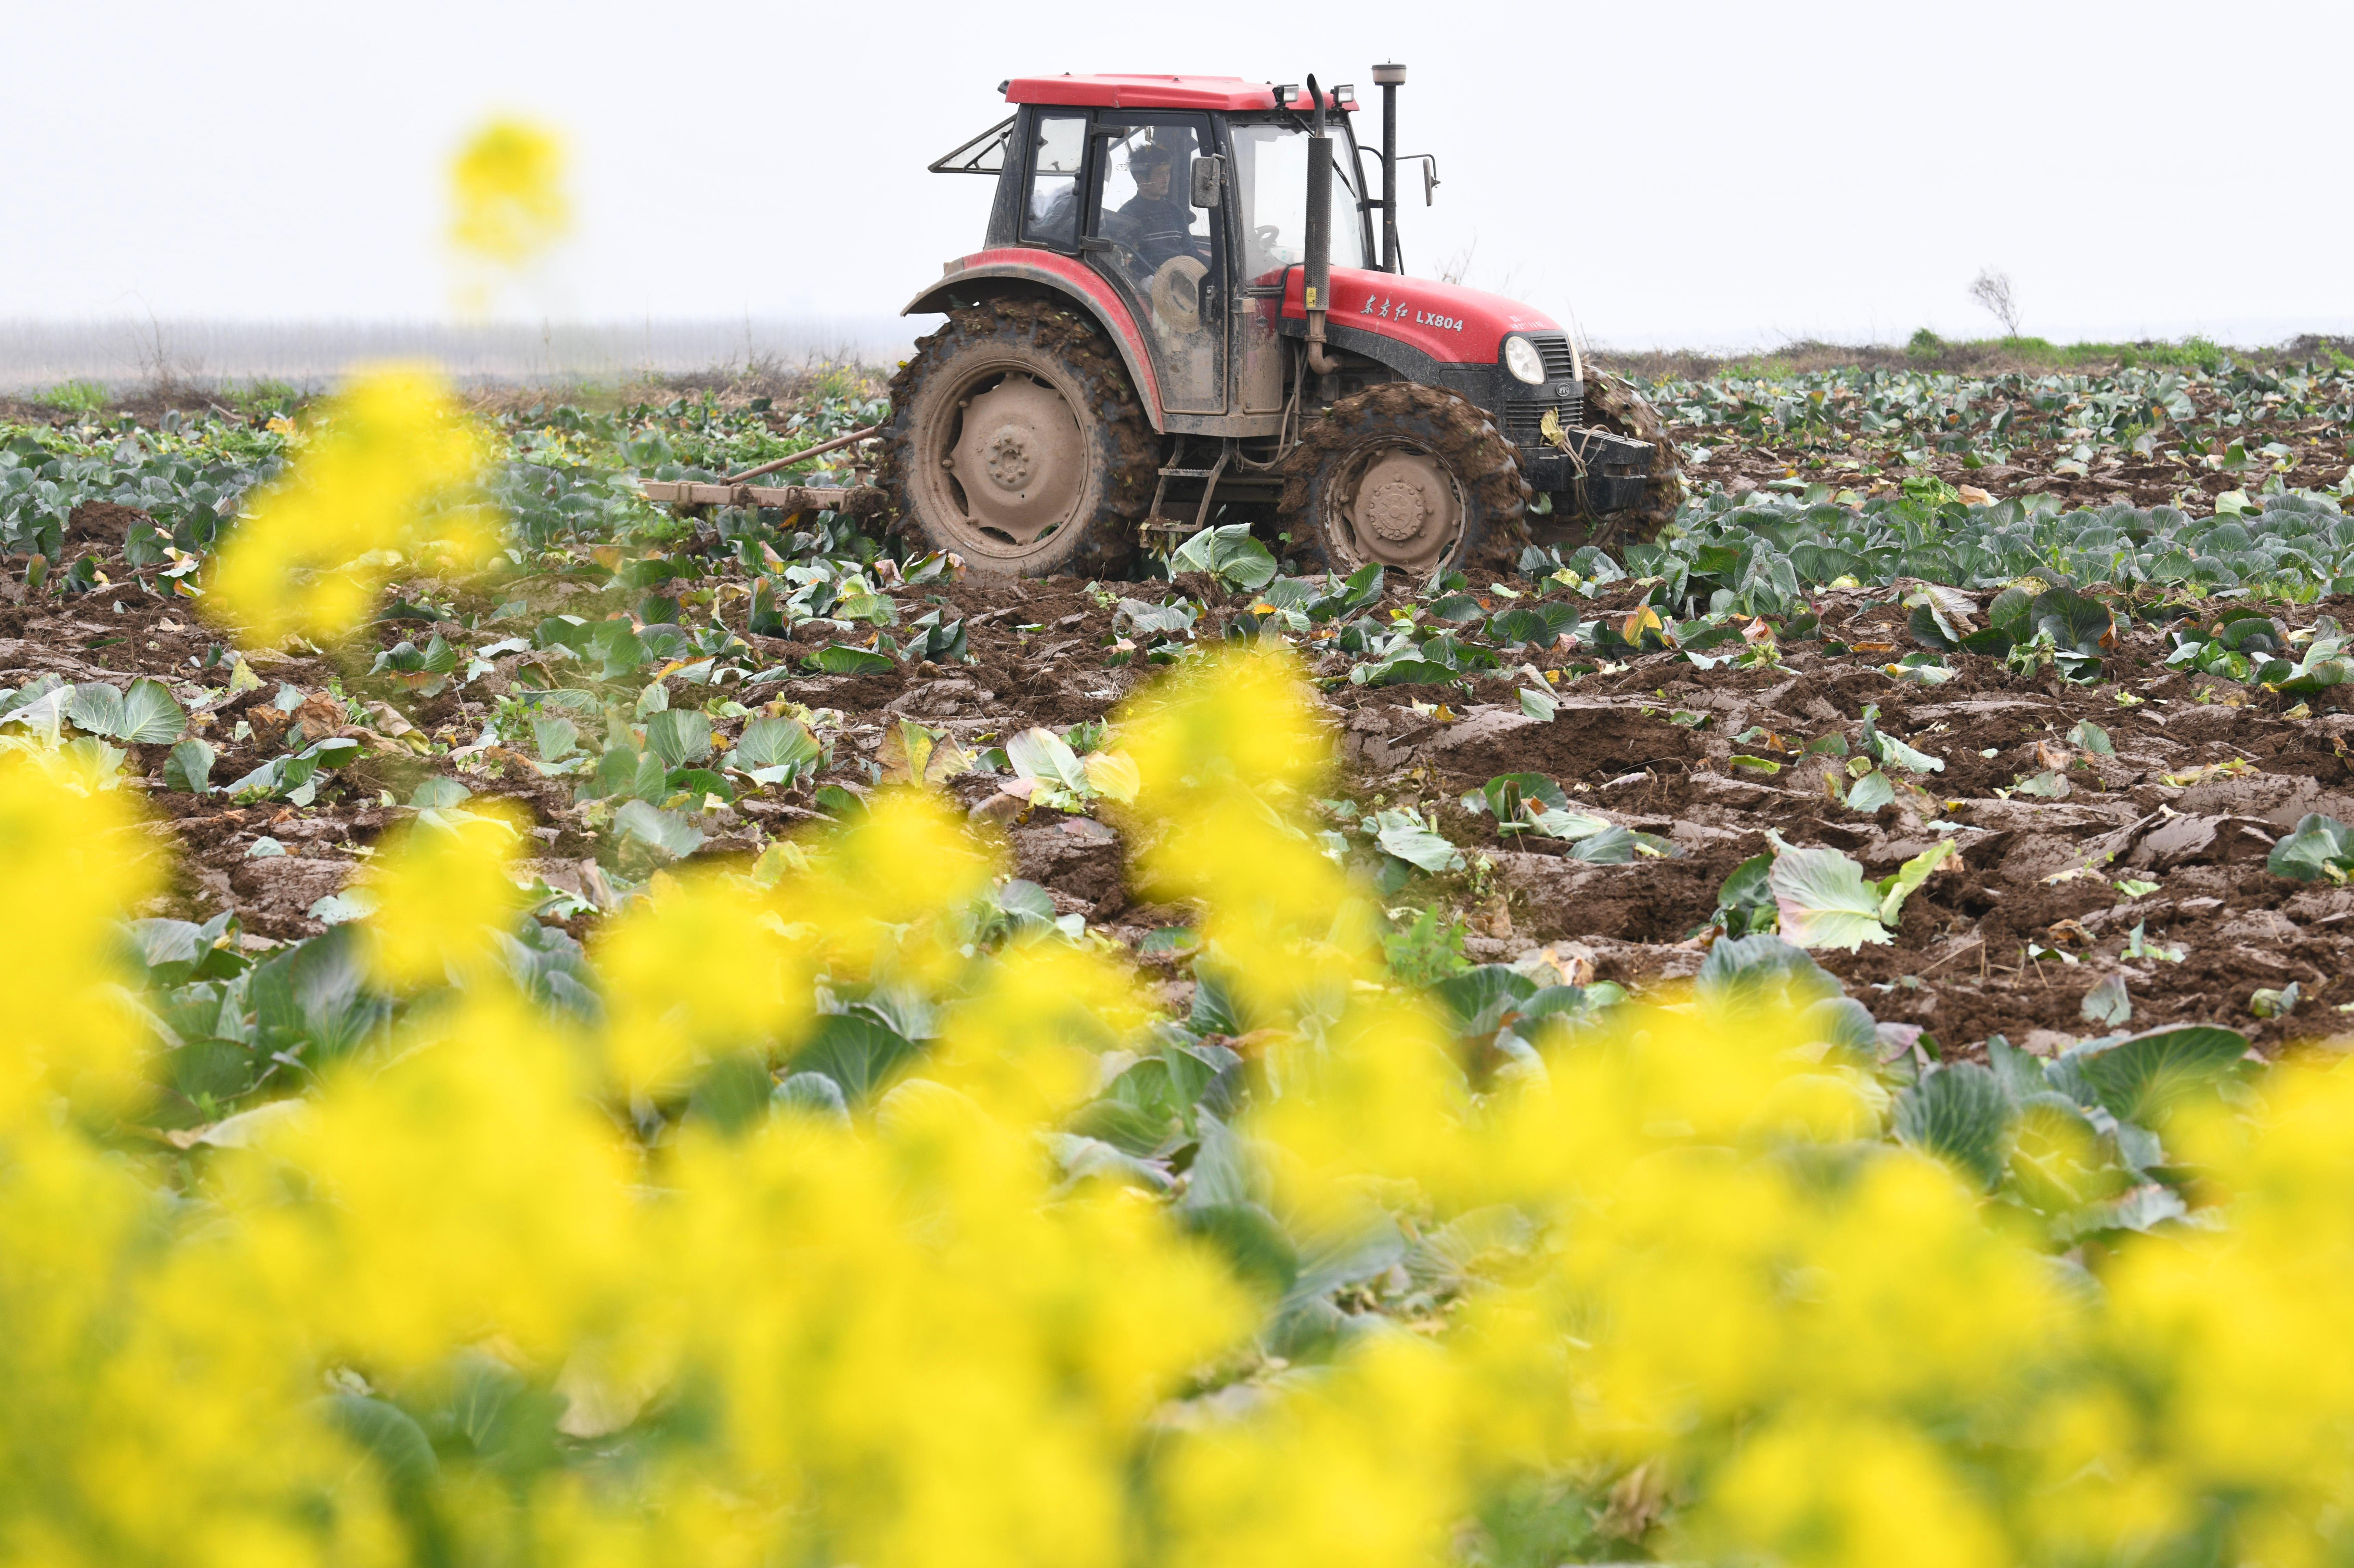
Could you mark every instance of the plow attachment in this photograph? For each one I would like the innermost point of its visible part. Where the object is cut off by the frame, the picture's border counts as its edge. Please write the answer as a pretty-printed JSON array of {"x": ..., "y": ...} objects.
[{"x": 856, "y": 500}]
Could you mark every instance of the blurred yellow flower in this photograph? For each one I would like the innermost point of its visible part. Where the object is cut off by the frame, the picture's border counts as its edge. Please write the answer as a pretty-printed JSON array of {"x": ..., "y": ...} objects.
[
  {"x": 876, "y": 894},
  {"x": 506, "y": 193},
  {"x": 1816, "y": 1492},
  {"x": 69, "y": 868},
  {"x": 467, "y": 1187},
  {"x": 493, "y": 1284},
  {"x": 387, "y": 472},
  {"x": 1026, "y": 1044},
  {"x": 441, "y": 892},
  {"x": 701, "y": 971}
]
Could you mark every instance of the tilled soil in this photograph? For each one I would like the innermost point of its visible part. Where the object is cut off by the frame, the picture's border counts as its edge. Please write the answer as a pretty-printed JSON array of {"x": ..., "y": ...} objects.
[
  {"x": 2028, "y": 916},
  {"x": 2159, "y": 478},
  {"x": 2032, "y": 875},
  {"x": 2026, "y": 919}
]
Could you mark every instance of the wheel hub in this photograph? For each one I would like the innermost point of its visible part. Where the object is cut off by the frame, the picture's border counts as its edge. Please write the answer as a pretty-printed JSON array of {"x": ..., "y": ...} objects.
[
  {"x": 1019, "y": 463},
  {"x": 1407, "y": 511},
  {"x": 1395, "y": 511},
  {"x": 1007, "y": 458}
]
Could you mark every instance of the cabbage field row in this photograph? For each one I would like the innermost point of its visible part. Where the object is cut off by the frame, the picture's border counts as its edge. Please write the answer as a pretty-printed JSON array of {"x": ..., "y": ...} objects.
[{"x": 552, "y": 1031}]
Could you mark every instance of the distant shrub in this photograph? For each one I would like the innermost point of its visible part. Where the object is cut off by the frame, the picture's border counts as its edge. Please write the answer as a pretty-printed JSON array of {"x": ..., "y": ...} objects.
[{"x": 75, "y": 396}]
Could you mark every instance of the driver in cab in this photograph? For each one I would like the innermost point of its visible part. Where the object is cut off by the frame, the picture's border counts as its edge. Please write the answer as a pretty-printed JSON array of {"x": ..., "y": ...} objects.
[{"x": 1162, "y": 225}]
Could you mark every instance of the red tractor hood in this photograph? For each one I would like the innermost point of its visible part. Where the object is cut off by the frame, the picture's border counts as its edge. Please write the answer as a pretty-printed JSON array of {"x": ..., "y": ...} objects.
[{"x": 1445, "y": 320}]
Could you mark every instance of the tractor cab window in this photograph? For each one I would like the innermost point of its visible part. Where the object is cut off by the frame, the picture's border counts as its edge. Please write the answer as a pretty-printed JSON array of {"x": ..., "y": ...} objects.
[
  {"x": 1145, "y": 208},
  {"x": 1058, "y": 147},
  {"x": 1271, "y": 179},
  {"x": 1145, "y": 232}
]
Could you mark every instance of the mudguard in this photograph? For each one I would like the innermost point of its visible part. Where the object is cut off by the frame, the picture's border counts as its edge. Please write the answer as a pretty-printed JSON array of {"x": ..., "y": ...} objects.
[{"x": 968, "y": 283}]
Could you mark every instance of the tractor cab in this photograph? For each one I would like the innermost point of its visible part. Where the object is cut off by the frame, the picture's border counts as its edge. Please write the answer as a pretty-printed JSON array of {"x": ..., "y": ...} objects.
[{"x": 1216, "y": 240}]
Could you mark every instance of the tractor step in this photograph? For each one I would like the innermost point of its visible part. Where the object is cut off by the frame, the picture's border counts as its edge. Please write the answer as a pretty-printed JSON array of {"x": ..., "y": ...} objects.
[{"x": 1156, "y": 523}]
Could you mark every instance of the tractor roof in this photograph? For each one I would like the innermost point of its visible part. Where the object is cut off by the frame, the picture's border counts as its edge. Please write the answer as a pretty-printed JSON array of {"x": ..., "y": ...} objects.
[{"x": 1119, "y": 92}]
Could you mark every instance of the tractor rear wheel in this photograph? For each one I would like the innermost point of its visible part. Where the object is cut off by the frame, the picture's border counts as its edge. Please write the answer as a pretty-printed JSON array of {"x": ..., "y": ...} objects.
[
  {"x": 1402, "y": 475},
  {"x": 1612, "y": 403},
  {"x": 1016, "y": 441}
]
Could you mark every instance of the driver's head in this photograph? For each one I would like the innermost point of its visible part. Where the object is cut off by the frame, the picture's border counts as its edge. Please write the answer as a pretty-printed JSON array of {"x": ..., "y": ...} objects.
[{"x": 1148, "y": 166}]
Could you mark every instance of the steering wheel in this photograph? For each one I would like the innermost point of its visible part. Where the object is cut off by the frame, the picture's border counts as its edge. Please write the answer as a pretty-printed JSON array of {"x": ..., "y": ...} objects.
[
  {"x": 1266, "y": 234},
  {"x": 1177, "y": 294}
]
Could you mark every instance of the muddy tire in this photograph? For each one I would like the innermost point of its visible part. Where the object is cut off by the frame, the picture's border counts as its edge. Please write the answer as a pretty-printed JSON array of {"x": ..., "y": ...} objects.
[
  {"x": 1412, "y": 477},
  {"x": 1612, "y": 403},
  {"x": 1016, "y": 441}
]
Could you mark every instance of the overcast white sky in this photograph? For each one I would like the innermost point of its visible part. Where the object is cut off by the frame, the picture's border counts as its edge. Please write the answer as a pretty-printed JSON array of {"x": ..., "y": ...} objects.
[{"x": 1670, "y": 173}]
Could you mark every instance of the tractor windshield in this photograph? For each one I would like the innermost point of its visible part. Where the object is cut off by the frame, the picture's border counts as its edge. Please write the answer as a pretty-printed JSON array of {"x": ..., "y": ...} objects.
[{"x": 1271, "y": 175}]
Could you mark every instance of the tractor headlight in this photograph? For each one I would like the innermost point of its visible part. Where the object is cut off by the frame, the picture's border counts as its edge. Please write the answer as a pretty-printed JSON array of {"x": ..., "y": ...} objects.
[{"x": 1521, "y": 357}]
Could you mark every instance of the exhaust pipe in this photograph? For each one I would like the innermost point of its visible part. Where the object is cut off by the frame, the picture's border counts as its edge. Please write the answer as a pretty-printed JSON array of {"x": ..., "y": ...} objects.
[
  {"x": 1389, "y": 79},
  {"x": 1317, "y": 282}
]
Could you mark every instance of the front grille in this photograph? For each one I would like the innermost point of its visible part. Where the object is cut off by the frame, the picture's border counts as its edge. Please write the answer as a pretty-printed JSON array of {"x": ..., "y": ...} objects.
[
  {"x": 1559, "y": 365},
  {"x": 1523, "y": 421}
]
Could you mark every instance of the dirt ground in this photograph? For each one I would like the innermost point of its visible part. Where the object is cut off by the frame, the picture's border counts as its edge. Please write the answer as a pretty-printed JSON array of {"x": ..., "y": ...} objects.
[
  {"x": 2205, "y": 775},
  {"x": 1988, "y": 356},
  {"x": 2158, "y": 479}
]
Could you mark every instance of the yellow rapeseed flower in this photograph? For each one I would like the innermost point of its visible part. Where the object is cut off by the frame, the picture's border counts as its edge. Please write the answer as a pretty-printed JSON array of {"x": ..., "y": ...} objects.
[
  {"x": 473, "y": 1295},
  {"x": 467, "y": 1188},
  {"x": 387, "y": 474},
  {"x": 506, "y": 193},
  {"x": 699, "y": 972},
  {"x": 877, "y": 893},
  {"x": 69, "y": 868},
  {"x": 1818, "y": 1491},
  {"x": 1027, "y": 1043},
  {"x": 442, "y": 892}
]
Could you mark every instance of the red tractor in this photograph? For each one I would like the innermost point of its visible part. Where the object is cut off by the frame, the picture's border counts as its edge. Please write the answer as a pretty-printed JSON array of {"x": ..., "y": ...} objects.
[{"x": 1185, "y": 315}]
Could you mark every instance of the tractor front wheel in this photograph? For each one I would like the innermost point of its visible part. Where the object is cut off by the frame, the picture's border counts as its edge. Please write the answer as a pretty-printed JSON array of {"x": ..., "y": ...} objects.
[
  {"x": 1402, "y": 476},
  {"x": 1016, "y": 441}
]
